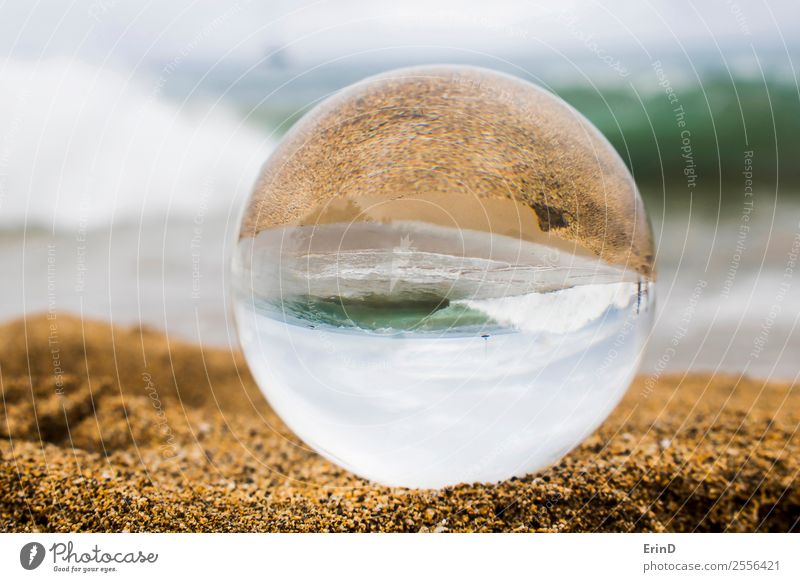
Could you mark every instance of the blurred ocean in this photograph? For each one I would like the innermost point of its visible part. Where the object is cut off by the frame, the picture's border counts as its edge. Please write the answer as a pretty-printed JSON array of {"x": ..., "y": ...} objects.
[{"x": 120, "y": 195}]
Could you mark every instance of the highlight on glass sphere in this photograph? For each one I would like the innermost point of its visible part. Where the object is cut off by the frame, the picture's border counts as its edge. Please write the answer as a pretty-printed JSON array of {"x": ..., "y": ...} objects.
[{"x": 443, "y": 275}]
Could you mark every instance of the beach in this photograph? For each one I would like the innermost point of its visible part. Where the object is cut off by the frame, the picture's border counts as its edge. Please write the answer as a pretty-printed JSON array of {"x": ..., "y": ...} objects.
[{"x": 107, "y": 428}]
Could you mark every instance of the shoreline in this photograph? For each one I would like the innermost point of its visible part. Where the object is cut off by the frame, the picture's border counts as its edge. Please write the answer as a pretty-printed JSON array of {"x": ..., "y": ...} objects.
[{"x": 147, "y": 433}]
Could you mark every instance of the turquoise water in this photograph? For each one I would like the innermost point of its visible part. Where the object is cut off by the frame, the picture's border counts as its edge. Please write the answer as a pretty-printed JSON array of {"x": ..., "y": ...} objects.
[{"x": 382, "y": 314}]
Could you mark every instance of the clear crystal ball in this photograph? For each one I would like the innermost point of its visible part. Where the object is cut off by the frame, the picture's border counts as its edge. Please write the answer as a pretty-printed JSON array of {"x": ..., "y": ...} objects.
[{"x": 443, "y": 275}]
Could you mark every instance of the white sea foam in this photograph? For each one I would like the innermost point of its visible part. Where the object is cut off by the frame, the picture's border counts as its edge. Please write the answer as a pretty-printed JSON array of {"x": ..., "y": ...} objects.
[
  {"x": 561, "y": 311},
  {"x": 410, "y": 259},
  {"x": 81, "y": 147}
]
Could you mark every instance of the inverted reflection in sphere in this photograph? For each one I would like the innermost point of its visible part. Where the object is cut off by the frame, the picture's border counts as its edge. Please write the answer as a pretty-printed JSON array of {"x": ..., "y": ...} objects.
[{"x": 443, "y": 275}]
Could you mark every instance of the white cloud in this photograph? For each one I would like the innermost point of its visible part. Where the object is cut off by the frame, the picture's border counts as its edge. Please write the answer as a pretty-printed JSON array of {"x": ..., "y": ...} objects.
[{"x": 100, "y": 29}]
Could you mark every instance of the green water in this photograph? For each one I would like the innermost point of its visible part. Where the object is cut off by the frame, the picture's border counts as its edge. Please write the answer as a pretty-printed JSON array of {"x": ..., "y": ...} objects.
[{"x": 383, "y": 313}]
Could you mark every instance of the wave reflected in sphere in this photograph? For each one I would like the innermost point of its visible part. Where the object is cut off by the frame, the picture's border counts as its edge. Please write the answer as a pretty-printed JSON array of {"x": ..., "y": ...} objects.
[{"x": 444, "y": 275}]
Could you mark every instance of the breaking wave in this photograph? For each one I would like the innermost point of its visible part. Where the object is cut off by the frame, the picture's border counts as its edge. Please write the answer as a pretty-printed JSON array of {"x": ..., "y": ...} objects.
[{"x": 84, "y": 147}]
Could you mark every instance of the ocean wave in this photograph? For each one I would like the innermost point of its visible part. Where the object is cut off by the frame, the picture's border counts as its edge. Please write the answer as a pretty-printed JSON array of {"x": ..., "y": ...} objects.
[
  {"x": 562, "y": 311},
  {"x": 86, "y": 147}
]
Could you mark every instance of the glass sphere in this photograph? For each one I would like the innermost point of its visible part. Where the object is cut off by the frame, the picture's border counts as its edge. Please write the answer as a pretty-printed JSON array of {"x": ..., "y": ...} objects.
[{"x": 443, "y": 275}]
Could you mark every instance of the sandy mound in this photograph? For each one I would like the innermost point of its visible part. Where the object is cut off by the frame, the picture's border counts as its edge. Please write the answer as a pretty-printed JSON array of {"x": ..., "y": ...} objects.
[{"x": 136, "y": 432}]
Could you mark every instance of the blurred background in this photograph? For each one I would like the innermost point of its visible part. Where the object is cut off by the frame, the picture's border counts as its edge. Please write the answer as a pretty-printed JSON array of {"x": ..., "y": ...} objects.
[{"x": 131, "y": 134}]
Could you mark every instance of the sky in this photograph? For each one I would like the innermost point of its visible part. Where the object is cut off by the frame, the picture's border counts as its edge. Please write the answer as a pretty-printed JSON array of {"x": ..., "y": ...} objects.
[{"x": 135, "y": 32}]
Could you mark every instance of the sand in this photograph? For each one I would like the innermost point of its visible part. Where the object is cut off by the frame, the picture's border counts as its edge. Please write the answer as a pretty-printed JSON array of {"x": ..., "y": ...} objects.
[
  {"x": 135, "y": 432},
  {"x": 420, "y": 142}
]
